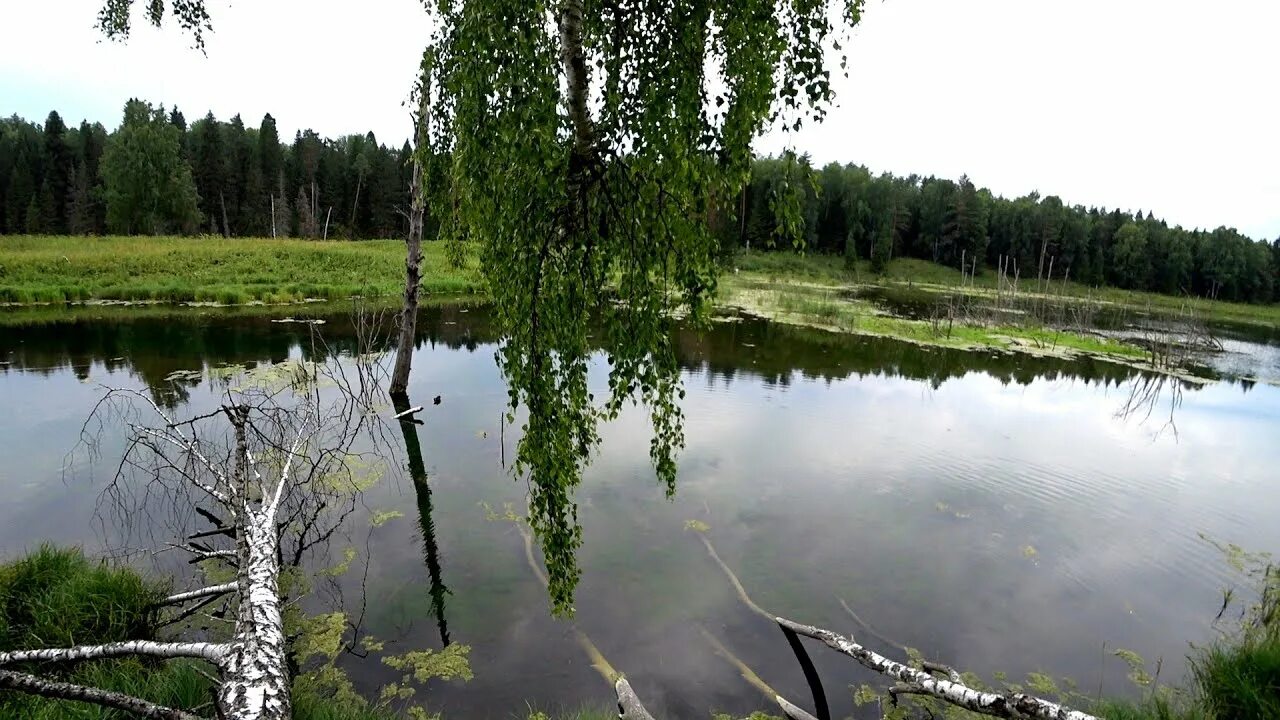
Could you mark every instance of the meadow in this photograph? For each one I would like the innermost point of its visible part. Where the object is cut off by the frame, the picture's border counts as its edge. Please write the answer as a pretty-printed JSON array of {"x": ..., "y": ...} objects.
[{"x": 228, "y": 271}]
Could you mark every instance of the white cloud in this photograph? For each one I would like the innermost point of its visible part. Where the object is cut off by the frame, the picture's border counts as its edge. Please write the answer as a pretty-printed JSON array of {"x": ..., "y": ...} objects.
[{"x": 1162, "y": 105}]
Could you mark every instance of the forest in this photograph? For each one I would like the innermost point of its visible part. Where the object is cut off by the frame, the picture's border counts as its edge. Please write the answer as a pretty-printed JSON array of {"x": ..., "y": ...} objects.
[
  {"x": 848, "y": 210},
  {"x": 157, "y": 174}
]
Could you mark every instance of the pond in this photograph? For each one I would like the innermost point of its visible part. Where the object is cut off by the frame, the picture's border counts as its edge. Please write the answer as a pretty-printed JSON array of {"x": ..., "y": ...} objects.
[{"x": 1000, "y": 513}]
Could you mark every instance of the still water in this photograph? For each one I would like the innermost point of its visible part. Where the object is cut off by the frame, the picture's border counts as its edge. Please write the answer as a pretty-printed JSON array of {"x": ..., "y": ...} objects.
[{"x": 1000, "y": 513}]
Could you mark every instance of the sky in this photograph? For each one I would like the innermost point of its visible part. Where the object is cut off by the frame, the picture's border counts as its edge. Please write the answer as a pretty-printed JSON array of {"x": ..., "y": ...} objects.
[{"x": 1169, "y": 106}]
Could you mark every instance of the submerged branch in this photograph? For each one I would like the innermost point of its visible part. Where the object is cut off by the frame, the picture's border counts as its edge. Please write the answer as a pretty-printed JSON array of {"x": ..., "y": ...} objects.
[{"x": 920, "y": 682}]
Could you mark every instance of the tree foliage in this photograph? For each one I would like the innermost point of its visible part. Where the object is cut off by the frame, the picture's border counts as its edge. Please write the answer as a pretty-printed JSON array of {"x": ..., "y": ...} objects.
[
  {"x": 149, "y": 187},
  {"x": 587, "y": 146}
]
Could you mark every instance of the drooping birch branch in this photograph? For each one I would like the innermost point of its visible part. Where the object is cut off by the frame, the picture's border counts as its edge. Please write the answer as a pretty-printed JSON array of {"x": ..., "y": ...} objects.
[
  {"x": 950, "y": 689},
  {"x": 56, "y": 690}
]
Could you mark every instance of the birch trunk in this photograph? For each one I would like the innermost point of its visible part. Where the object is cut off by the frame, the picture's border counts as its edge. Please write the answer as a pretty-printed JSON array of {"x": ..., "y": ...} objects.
[{"x": 255, "y": 671}]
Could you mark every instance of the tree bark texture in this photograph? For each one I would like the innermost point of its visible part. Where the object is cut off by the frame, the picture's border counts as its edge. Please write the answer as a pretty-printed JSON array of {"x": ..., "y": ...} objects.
[{"x": 66, "y": 691}]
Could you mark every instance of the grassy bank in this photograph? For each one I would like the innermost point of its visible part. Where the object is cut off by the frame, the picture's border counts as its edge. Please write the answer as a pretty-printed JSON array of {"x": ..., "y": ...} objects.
[
  {"x": 832, "y": 270},
  {"x": 818, "y": 291},
  {"x": 40, "y": 269},
  {"x": 830, "y": 307}
]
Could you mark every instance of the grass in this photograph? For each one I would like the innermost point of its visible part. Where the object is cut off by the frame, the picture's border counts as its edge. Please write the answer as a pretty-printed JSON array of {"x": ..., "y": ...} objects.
[
  {"x": 835, "y": 270},
  {"x": 806, "y": 300},
  {"x": 57, "y": 597},
  {"x": 47, "y": 269}
]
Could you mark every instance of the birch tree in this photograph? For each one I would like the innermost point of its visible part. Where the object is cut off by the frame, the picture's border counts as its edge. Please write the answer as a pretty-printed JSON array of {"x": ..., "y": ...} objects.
[
  {"x": 274, "y": 471},
  {"x": 587, "y": 142}
]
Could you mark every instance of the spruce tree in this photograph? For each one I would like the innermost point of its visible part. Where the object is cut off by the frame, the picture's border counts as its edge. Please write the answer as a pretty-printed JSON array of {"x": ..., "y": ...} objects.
[
  {"x": 20, "y": 195},
  {"x": 208, "y": 165},
  {"x": 57, "y": 175}
]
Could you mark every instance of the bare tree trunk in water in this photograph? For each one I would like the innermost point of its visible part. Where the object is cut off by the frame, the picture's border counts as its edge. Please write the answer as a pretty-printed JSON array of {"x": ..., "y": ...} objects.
[{"x": 413, "y": 274}]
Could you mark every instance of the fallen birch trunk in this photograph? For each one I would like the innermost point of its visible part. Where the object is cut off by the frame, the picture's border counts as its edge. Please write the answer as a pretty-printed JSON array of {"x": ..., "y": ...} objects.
[
  {"x": 949, "y": 688},
  {"x": 254, "y": 505}
]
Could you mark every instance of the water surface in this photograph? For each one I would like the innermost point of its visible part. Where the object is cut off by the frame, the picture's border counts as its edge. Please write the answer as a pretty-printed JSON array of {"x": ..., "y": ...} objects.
[{"x": 998, "y": 512}]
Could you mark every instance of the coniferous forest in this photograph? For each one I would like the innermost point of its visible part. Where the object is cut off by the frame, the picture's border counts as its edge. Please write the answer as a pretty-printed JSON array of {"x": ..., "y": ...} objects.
[{"x": 160, "y": 174}]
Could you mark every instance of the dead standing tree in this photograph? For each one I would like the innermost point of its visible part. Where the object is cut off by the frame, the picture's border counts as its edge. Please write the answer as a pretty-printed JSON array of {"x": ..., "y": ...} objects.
[
  {"x": 280, "y": 486},
  {"x": 413, "y": 259}
]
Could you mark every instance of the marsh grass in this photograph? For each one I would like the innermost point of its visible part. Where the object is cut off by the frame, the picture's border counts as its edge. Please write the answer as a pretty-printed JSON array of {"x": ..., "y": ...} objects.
[
  {"x": 49, "y": 269},
  {"x": 928, "y": 275},
  {"x": 831, "y": 307}
]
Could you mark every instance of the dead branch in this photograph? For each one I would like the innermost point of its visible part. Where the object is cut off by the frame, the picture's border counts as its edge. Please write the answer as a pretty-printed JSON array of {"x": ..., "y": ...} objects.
[
  {"x": 1015, "y": 706},
  {"x": 211, "y": 591},
  {"x": 54, "y": 689},
  {"x": 212, "y": 652}
]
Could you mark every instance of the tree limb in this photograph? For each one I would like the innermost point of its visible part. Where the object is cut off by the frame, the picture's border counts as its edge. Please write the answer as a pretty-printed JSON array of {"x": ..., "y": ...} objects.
[
  {"x": 629, "y": 707},
  {"x": 212, "y": 652},
  {"x": 212, "y": 590},
  {"x": 1010, "y": 705},
  {"x": 22, "y": 682}
]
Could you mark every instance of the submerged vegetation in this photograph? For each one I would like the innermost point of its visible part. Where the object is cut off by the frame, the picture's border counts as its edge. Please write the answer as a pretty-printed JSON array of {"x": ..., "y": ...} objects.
[{"x": 54, "y": 596}]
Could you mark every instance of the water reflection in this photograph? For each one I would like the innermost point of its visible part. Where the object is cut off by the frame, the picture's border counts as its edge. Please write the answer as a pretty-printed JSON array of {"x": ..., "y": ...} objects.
[
  {"x": 991, "y": 510},
  {"x": 437, "y": 590},
  {"x": 161, "y": 351}
]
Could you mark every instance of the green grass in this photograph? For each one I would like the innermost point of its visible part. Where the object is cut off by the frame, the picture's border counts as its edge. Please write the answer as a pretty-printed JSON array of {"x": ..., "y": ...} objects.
[
  {"x": 36, "y": 269},
  {"x": 835, "y": 270},
  {"x": 57, "y": 597},
  {"x": 808, "y": 301},
  {"x": 1241, "y": 679}
]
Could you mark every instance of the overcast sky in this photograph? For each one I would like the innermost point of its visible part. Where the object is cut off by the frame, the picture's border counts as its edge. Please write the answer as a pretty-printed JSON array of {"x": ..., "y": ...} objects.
[{"x": 1164, "y": 105}]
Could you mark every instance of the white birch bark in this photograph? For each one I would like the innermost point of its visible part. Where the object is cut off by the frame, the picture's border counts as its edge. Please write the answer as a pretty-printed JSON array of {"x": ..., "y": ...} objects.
[
  {"x": 205, "y": 651},
  {"x": 204, "y": 592},
  {"x": 33, "y": 685},
  {"x": 950, "y": 689},
  {"x": 255, "y": 680},
  {"x": 629, "y": 707}
]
